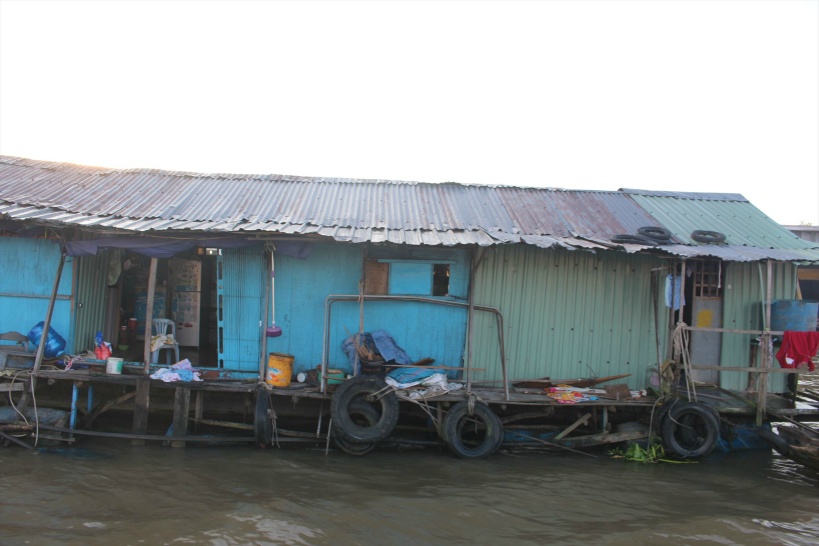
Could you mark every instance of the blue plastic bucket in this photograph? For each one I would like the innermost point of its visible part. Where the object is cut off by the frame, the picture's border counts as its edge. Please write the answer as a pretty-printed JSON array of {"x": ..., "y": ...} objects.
[
  {"x": 55, "y": 344},
  {"x": 794, "y": 315}
]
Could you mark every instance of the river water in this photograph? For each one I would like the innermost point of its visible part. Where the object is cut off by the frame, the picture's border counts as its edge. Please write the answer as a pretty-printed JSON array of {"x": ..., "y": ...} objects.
[{"x": 109, "y": 492}]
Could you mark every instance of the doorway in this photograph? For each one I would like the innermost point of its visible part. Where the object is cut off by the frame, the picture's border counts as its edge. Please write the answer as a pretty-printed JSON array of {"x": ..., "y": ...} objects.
[
  {"x": 706, "y": 312},
  {"x": 185, "y": 293}
]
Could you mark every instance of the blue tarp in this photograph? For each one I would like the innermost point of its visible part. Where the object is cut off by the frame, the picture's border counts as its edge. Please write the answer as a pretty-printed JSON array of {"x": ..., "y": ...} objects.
[{"x": 378, "y": 341}]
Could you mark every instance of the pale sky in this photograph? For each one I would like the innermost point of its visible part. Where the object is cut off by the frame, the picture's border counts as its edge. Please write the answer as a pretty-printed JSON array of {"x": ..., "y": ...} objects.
[{"x": 702, "y": 95}]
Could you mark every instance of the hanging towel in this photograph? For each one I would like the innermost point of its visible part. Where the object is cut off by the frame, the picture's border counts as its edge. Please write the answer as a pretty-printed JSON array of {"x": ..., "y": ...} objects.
[{"x": 798, "y": 348}]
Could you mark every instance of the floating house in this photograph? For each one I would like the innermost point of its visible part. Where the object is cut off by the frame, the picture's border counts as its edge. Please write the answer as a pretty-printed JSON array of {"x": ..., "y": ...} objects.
[{"x": 495, "y": 285}]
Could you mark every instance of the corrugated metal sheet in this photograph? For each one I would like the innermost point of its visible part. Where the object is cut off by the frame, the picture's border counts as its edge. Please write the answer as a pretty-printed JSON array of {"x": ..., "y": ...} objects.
[
  {"x": 745, "y": 286},
  {"x": 241, "y": 301},
  {"x": 744, "y": 225},
  {"x": 412, "y": 213},
  {"x": 808, "y": 233},
  {"x": 92, "y": 291},
  {"x": 567, "y": 314}
]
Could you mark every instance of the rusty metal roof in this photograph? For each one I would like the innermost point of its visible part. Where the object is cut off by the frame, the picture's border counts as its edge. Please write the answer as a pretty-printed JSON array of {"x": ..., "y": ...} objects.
[{"x": 416, "y": 213}]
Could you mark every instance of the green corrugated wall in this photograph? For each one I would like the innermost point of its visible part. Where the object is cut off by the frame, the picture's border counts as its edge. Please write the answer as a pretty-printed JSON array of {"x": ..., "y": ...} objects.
[
  {"x": 578, "y": 314},
  {"x": 89, "y": 309},
  {"x": 567, "y": 314},
  {"x": 745, "y": 284}
]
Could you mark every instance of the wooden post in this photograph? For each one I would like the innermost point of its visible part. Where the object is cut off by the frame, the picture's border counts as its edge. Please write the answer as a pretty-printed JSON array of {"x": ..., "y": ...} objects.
[
  {"x": 149, "y": 315},
  {"x": 141, "y": 400},
  {"x": 38, "y": 358},
  {"x": 181, "y": 407},
  {"x": 199, "y": 409}
]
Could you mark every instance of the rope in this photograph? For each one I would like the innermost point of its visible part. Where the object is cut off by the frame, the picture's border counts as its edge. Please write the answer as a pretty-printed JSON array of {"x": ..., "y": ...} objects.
[
  {"x": 681, "y": 353},
  {"x": 271, "y": 414}
]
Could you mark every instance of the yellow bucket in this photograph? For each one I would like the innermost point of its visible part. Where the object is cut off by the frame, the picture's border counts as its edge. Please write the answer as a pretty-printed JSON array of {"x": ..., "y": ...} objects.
[{"x": 279, "y": 369}]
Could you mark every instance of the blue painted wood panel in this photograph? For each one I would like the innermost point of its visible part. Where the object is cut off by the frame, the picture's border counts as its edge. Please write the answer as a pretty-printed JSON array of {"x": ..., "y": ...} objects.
[
  {"x": 421, "y": 329},
  {"x": 28, "y": 268},
  {"x": 240, "y": 294},
  {"x": 411, "y": 279}
]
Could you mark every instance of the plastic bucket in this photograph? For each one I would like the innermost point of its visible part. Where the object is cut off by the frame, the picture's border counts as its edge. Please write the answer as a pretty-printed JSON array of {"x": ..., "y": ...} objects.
[
  {"x": 279, "y": 369},
  {"x": 794, "y": 315},
  {"x": 113, "y": 365}
]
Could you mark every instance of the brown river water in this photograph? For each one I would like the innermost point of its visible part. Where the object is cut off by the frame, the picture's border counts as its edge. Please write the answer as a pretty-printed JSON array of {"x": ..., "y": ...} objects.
[{"x": 112, "y": 493}]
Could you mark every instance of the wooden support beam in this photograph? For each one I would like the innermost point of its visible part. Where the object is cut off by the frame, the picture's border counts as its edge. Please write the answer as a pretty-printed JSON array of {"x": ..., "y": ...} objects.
[
  {"x": 582, "y": 421},
  {"x": 181, "y": 407},
  {"x": 198, "y": 409},
  {"x": 149, "y": 315},
  {"x": 141, "y": 402}
]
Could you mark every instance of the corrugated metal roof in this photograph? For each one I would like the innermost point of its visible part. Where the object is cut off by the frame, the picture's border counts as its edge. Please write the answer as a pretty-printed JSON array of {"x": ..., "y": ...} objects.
[
  {"x": 809, "y": 233},
  {"x": 746, "y": 228},
  {"x": 415, "y": 213}
]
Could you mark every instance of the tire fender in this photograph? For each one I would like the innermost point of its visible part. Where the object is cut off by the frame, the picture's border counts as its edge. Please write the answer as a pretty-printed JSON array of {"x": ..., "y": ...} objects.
[
  {"x": 690, "y": 430},
  {"x": 360, "y": 412},
  {"x": 474, "y": 434},
  {"x": 363, "y": 389}
]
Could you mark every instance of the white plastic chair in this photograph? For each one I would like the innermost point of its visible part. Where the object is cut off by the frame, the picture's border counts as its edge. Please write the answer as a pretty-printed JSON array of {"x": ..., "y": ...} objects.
[{"x": 162, "y": 327}]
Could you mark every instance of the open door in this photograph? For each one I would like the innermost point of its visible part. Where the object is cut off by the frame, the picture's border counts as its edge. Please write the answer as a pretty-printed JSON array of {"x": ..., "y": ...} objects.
[{"x": 706, "y": 312}]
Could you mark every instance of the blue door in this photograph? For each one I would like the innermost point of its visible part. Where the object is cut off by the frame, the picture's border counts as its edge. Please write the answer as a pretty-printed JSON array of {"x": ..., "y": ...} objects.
[{"x": 241, "y": 276}]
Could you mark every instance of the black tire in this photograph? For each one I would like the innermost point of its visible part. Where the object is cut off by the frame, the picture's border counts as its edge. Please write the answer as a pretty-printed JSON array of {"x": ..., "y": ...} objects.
[
  {"x": 659, "y": 234},
  {"x": 690, "y": 430},
  {"x": 624, "y": 238},
  {"x": 362, "y": 413},
  {"x": 777, "y": 442},
  {"x": 472, "y": 436},
  {"x": 358, "y": 390},
  {"x": 262, "y": 426},
  {"x": 708, "y": 237}
]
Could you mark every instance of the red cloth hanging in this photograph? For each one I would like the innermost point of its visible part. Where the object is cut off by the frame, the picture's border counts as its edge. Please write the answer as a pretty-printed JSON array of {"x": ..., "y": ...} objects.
[{"x": 798, "y": 348}]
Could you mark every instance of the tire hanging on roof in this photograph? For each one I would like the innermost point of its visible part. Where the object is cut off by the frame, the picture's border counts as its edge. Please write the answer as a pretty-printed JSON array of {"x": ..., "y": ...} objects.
[
  {"x": 708, "y": 237},
  {"x": 625, "y": 238},
  {"x": 657, "y": 233}
]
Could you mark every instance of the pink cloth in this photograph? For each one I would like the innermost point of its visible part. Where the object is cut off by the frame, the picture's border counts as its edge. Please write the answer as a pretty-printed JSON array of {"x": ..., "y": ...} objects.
[{"x": 799, "y": 348}]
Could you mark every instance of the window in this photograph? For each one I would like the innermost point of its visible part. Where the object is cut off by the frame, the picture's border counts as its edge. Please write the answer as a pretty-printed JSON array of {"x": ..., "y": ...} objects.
[
  {"x": 406, "y": 278},
  {"x": 708, "y": 279}
]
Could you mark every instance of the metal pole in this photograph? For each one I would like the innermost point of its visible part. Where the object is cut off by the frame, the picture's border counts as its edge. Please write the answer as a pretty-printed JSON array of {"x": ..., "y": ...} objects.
[
  {"x": 766, "y": 348},
  {"x": 469, "y": 317}
]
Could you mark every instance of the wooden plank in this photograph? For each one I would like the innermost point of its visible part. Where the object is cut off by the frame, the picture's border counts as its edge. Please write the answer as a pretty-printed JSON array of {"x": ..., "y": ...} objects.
[
  {"x": 181, "y": 407},
  {"x": 807, "y": 274},
  {"x": 149, "y": 316},
  {"x": 603, "y": 438},
  {"x": 583, "y": 420},
  {"x": 226, "y": 424},
  {"x": 141, "y": 403},
  {"x": 376, "y": 277}
]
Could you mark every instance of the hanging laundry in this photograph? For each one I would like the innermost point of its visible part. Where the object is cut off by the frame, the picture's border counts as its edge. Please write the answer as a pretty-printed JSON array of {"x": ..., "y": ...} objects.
[
  {"x": 673, "y": 291},
  {"x": 797, "y": 349}
]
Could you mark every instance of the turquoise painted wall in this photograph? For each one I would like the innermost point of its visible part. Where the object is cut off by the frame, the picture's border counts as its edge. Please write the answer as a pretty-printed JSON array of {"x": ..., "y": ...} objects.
[
  {"x": 240, "y": 289},
  {"x": 422, "y": 330},
  {"x": 29, "y": 268}
]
